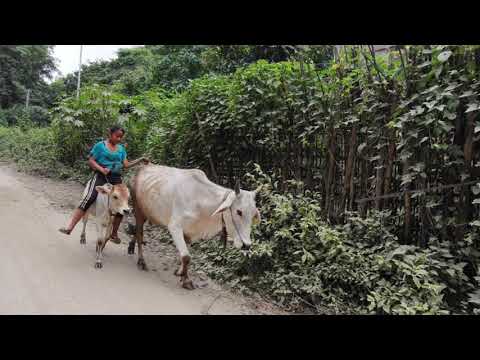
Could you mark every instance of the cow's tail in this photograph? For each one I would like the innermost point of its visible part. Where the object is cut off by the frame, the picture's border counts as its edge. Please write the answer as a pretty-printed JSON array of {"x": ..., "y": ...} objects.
[{"x": 131, "y": 228}]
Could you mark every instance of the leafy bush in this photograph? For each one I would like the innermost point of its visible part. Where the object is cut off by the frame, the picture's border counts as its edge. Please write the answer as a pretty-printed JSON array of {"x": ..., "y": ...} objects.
[
  {"x": 34, "y": 115},
  {"x": 358, "y": 267},
  {"x": 78, "y": 124},
  {"x": 252, "y": 115},
  {"x": 34, "y": 150}
]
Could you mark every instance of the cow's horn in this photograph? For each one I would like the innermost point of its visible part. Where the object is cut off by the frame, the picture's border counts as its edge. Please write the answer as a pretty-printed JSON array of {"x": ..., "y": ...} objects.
[{"x": 237, "y": 187}]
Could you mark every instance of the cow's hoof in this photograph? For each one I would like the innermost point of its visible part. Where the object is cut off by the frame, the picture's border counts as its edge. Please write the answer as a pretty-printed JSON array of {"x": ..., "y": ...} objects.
[
  {"x": 98, "y": 265},
  {"x": 83, "y": 241},
  {"x": 188, "y": 284},
  {"x": 131, "y": 248},
  {"x": 142, "y": 265}
]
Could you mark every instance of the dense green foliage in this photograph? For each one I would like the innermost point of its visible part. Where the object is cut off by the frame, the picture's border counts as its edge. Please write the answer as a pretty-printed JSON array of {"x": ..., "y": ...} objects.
[
  {"x": 22, "y": 68},
  {"x": 34, "y": 150},
  {"x": 357, "y": 267},
  {"x": 83, "y": 121},
  {"x": 322, "y": 135},
  {"x": 172, "y": 67}
]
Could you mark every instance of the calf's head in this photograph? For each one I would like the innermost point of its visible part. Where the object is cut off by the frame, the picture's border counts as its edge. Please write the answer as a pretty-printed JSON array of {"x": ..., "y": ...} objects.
[
  {"x": 239, "y": 212},
  {"x": 118, "y": 196}
]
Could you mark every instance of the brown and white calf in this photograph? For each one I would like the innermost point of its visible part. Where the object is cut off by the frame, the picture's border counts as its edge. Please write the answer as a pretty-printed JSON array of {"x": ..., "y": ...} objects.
[
  {"x": 111, "y": 200},
  {"x": 192, "y": 208}
]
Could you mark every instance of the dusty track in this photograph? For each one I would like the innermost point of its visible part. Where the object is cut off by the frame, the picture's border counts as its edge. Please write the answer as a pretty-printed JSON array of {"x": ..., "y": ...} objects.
[{"x": 45, "y": 272}]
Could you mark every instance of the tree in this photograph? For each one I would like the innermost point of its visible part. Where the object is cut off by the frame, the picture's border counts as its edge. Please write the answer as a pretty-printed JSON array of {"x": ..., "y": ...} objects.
[{"x": 24, "y": 67}]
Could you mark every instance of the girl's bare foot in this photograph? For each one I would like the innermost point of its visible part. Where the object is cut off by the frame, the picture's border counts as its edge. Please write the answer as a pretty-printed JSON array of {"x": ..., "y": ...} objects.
[
  {"x": 115, "y": 239},
  {"x": 65, "y": 231}
]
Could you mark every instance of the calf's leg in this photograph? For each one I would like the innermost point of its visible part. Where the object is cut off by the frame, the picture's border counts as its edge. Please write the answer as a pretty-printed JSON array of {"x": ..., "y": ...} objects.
[
  {"x": 103, "y": 230},
  {"x": 83, "y": 239},
  {"x": 99, "y": 250}
]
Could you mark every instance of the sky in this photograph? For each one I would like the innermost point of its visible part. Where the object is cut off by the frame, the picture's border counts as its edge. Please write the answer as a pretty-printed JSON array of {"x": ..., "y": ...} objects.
[{"x": 68, "y": 56}]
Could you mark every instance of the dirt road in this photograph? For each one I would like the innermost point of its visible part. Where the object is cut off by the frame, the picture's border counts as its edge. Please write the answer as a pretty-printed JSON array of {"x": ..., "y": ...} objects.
[{"x": 45, "y": 272}]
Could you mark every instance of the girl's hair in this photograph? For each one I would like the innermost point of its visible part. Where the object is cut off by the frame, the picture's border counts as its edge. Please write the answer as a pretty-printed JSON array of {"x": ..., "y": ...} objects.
[{"x": 115, "y": 128}]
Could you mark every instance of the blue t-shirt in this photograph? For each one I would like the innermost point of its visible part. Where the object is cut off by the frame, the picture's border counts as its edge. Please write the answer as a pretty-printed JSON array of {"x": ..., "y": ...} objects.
[{"x": 112, "y": 160}]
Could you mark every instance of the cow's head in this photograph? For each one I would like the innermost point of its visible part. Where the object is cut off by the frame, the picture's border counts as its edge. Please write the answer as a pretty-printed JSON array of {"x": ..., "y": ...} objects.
[
  {"x": 239, "y": 211},
  {"x": 118, "y": 196}
]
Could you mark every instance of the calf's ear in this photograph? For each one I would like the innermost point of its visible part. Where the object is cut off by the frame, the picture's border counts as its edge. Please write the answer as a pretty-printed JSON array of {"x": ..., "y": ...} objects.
[{"x": 226, "y": 204}]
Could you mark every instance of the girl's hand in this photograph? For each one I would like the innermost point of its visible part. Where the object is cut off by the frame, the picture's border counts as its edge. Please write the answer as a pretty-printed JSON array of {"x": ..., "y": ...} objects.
[{"x": 105, "y": 171}]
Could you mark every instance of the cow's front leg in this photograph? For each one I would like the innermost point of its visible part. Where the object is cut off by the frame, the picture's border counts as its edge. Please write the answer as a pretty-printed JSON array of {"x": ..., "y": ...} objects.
[
  {"x": 177, "y": 234},
  {"x": 139, "y": 221}
]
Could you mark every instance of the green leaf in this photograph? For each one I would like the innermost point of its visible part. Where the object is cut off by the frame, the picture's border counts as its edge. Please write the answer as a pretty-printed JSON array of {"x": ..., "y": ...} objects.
[
  {"x": 472, "y": 107},
  {"x": 477, "y": 128},
  {"x": 474, "y": 299},
  {"x": 467, "y": 94},
  {"x": 476, "y": 189},
  {"x": 425, "y": 64},
  {"x": 429, "y": 90},
  {"x": 401, "y": 250},
  {"x": 452, "y": 87},
  {"x": 476, "y": 201},
  {"x": 475, "y": 223},
  {"x": 445, "y": 126},
  {"x": 444, "y": 56},
  {"x": 451, "y": 272}
]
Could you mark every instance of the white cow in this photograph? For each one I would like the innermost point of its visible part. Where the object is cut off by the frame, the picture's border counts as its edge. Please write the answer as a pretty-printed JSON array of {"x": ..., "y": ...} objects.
[
  {"x": 192, "y": 208},
  {"x": 111, "y": 200}
]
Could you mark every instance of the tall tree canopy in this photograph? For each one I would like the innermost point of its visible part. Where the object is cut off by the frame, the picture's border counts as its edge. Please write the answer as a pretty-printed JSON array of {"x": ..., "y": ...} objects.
[
  {"x": 172, "y": 67},
  {"x": 25, "y": 67}
]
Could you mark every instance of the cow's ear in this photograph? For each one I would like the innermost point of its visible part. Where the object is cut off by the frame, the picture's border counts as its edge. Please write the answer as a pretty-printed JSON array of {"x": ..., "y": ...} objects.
[
  {"x": 257, "y": 190},
  {"x": 256, "y": 217},
  {"x": 104, "y": 189},
  {"x": 226, "y": 204}
]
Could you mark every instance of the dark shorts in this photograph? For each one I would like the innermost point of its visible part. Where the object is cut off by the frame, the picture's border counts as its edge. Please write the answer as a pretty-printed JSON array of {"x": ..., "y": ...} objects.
[{"x": 98, "y": 179}]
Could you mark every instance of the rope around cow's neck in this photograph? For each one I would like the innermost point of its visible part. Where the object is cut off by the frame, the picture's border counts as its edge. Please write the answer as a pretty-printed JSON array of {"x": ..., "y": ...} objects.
[
  {"x": 108, "y": 195},
  {"x": 233, "y": 222}
]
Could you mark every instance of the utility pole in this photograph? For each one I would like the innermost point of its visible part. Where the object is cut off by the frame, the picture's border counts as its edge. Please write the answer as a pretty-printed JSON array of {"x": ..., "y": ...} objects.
[
  {"x": 79, "y": 72},
  {"x": 28, "y": 99}
]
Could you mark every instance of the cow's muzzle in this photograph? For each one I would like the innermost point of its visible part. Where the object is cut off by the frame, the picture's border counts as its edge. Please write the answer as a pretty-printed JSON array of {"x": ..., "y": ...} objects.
[{"x": 123, "y": 212}]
